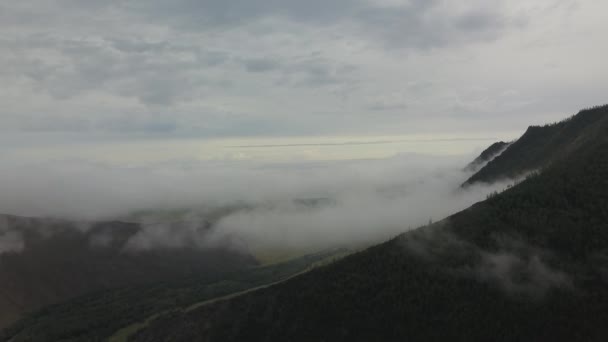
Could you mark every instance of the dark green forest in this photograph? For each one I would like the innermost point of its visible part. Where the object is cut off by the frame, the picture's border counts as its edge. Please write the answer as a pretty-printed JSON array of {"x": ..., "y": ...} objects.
[
  {"x": 97, "y": 316},
  {"x": 61, "y": 261},
  {"x": 528, "y": 264}
]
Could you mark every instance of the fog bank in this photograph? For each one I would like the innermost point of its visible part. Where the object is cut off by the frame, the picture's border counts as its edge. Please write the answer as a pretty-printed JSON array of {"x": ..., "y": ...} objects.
[{"x": 299, "y": 205}]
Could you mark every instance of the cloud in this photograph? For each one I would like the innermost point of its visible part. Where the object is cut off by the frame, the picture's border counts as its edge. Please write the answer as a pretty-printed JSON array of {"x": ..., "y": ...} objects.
[
  {"x": 260, "y": 65},
  {"x": 267, "y": 67},
  {"x": 414, "y": 23},
  {"x": 222, "y": 14},
  {"x": 190, "y": 231},
  {"x": 513, "y": 264},
  {"x": 265, "y": 205},
  {"x": 522, "y": 274},
  {"x": 152, "y": 73}
]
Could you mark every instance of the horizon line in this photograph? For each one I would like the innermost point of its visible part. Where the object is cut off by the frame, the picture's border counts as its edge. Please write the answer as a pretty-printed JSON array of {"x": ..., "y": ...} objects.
[{"x": 351, "y": 143}]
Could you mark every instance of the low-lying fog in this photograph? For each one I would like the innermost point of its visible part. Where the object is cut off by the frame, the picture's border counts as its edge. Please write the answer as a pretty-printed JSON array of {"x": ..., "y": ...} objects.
[{"x": 286, "y": 205}]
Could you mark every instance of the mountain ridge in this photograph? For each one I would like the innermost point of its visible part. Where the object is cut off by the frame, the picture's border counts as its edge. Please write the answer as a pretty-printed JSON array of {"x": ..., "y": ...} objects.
[
  {"x": 487, "y": 155},
  {"x": 539, "y": 146}
]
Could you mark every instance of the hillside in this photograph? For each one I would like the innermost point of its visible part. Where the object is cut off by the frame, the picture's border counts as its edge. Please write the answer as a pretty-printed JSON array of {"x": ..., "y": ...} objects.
[
  {"x": 542, "y": 145},
  {"x": 529, "y": 264},
  {"x": 53, "y": 260},
  {"x": 109, "y": 313},
  {"x": 486, "y": 156}
]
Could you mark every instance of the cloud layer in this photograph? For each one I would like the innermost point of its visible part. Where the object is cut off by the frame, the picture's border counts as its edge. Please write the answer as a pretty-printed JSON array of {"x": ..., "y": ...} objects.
[
  {"x": 277, "y": 67},
  {"x": 295, "y": 205}
]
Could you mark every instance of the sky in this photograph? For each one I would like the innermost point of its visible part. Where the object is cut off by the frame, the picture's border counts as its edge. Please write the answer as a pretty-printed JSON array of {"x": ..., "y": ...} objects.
[{"x": 287, "y": 72}]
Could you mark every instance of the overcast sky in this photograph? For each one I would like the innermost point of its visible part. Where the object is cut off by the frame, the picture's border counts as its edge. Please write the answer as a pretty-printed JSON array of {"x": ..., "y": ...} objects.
[{"x": 111, "y": 70}]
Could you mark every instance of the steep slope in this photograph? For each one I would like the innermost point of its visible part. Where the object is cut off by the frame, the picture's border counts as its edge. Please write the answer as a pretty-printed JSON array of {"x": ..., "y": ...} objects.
[
  {"x": 530, "y": 264},
  {"x": 540, "y": 146},
  {"x": 487, "y": 155},
  {"x": 110, "y": 313},
  {"x": 46, "y": 261}
]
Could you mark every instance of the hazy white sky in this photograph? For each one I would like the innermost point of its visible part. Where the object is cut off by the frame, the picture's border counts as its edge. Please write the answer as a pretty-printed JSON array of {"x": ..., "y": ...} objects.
[
  {"x": 291, "y": 72},
  {"x": 292, "y": 149}
]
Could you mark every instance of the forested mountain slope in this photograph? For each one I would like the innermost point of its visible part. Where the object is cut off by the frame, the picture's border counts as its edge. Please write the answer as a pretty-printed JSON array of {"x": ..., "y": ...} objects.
[
  {"x": 487, "y": 155},
  {"x": 542, "y": 145},
  {"x": 529, "y": 264},
  {"x": 45, "y": 261},
  {"x": 112, "y": 313}
]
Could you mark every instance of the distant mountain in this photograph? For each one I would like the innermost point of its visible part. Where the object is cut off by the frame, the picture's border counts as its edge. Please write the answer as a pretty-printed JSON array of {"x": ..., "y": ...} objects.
[
  {"x": 486, "y": 156},
  {"x": 45, "y": 261},
  {"x": 542, "y": 145},
  {"x": 529, "y": 264}
]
